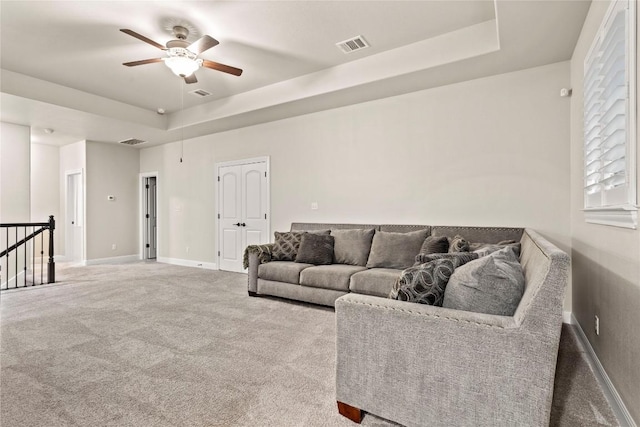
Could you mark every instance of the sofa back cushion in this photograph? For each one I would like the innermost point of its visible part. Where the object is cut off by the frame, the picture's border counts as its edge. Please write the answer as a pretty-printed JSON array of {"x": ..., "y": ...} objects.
[
  {"x": 479, "y": 234},
  {"x": 493, "y": 284},
  {"x": 352, "y": 246},
  {"x": 395, "y": 250}
]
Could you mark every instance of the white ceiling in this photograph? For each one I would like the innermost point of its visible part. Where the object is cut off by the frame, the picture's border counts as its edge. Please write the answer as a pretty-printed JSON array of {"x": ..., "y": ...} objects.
[{"x": 61, "y": 60}]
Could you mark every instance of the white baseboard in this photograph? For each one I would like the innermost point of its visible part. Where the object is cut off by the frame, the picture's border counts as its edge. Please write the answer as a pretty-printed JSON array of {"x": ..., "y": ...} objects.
[
  {"x": 188, "y": 263},
  {"x": 567, "y": 317},
  {"x": 112, "y": 260},
  {"x": 617, "y": 405}
]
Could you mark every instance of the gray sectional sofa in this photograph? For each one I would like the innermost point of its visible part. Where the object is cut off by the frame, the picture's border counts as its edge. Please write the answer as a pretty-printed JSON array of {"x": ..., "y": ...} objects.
[
  {"x": 422, "y": 365},
  {"x": 323, "y": 284}
]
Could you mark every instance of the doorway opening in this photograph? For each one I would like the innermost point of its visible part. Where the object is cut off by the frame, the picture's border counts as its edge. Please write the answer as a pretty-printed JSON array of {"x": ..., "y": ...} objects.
[
  {"x": 74, "y": 221},
  {"x": 149, "y": 216}
]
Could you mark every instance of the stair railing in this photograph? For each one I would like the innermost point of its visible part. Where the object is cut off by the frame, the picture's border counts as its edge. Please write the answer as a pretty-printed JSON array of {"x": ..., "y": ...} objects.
[{"x": 16, "y": 258}]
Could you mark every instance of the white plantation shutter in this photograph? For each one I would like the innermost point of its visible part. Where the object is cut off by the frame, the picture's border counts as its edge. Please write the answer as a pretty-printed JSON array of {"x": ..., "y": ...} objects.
[{"x": 609, "y": 76}]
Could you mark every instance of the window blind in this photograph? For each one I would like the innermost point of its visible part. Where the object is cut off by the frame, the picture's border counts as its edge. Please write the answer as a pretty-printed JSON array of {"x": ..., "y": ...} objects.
[{"x": 606, "y": 113}]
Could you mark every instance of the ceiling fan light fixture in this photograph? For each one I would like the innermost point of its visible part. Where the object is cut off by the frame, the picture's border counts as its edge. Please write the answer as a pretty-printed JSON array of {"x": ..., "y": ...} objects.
[{"x": 181, "y": 65}]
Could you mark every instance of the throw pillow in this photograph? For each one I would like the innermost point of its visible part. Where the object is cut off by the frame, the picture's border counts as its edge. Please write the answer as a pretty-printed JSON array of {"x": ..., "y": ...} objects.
[
  {"x": 285, "y": 247},
  {"x": 395, "y": 250},
  {"x": 458, "y": 244},
  {"x": 323, "y": 232},
  {"x": 435, "y": 245},
  {"x": 426, "y": 283},
  {"x": 315, "y": 249},
  {"x": 352, "y": 246},
  {"x": 493, "y": 284},
  {"x": 465, "y": 257}
]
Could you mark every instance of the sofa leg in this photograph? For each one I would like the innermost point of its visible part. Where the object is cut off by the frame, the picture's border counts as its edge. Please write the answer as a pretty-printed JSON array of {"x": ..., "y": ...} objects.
[
  {"x": 253, "y": 294},
  {"x": 354, "y": 414}
]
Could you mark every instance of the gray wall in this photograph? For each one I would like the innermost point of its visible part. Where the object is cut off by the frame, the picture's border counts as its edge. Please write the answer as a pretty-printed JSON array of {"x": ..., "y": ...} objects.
[
  {"x": 112, "y": 170},
  {"x": 15, "y": 152},
  {"x": 606, "y": 260},
  {"x": 45, "y": 188}
]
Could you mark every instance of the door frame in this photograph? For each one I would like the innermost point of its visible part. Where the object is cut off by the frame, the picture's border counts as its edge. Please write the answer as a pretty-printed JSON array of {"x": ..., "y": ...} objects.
[
  {"x": 67, "y": 174},
  {"x": 141, "y": 204},
  {"x": 239, "y": 162}
]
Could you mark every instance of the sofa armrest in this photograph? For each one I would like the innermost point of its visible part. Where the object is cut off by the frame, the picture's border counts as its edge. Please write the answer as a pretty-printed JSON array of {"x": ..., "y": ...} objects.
[
  {"x": 254, "y": 255},
  {"x": 423, "y": 365}
]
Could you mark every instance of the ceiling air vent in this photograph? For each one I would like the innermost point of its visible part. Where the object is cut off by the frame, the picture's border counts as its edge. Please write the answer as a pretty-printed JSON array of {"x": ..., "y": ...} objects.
[
  {"x": 351, "y": 45},
  {"x": 132, "y": 141},
  {"x": 201, "y": 93}
]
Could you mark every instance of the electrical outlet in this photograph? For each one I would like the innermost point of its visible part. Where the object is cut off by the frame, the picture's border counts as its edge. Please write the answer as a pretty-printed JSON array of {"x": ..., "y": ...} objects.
[
  {"x": 314, "y": 205},
  {"x": 114, "y": 247},
  {"x": 597, "y": 325},
  {"x": 187, "y": 249}
]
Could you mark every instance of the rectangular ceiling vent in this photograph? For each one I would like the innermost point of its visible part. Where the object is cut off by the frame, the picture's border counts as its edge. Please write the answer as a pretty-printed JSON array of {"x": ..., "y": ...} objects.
[
  {"x": 351, "y": 45},
  {"x": 132, "y": 141},
  {"x": 200, "y": 93}
]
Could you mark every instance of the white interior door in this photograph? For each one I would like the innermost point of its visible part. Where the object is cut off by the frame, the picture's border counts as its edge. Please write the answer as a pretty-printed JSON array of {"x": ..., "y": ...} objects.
[
  {"x": 254, "y": 214},
  {"x": 230, "y": 236},
  {"x": 243, "y": 204},
  {"x": 75, "y": 217}
]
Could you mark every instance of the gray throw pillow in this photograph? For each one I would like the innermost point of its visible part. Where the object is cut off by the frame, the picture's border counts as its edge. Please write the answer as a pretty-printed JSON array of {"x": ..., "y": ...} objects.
[
  {"x": 458, "y": 244},
  {"x": 395, "y": 250},
  {"x": 285, "y": 246},
  {"x": 493, "y": 284},
  {"x": 426, "y": 283},
  {"x": 315, "y": 249},
  {"x": 352, "y": 246},
  {"x": 465, "y": 257},
  {"x": 435, "y": 245}
]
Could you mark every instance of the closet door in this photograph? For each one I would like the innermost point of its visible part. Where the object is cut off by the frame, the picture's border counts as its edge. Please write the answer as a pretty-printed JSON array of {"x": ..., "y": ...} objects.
[{"x": 243, "y": 216}]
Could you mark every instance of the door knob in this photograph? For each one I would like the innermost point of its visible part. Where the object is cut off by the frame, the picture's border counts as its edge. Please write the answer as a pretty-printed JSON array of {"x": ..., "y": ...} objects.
[
  {"x": 243, "y": 224},
  {"x": 237, "y": 225}
]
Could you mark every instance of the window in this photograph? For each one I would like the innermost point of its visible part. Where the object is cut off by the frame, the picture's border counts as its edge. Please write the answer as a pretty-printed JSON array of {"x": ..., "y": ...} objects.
[{"x": 609, "y": 120}]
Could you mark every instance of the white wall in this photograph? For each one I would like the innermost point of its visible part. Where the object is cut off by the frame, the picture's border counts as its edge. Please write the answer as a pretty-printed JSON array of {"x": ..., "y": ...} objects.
[
  {"x": 112, "y": 170},
  {"x": 15, "y": 147},
  {"x": 14, "y": 194},
  {"x": 605, "y": 260},
  {"x": 45, "y": 187},
  {"x": 492, "y": 151},
  {"x": 72, "y": 158}
]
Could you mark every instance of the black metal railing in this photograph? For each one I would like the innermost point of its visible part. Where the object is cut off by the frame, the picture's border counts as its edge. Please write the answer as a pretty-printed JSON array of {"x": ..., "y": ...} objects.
[{"x": 19, "y": 266}]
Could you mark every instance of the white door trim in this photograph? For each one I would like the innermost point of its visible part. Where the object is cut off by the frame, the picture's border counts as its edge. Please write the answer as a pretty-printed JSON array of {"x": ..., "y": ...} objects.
[
  {"x": 216, "y": 195},
  {"x": 141, "y": 205},
  {"x": 67, "y": 173}
]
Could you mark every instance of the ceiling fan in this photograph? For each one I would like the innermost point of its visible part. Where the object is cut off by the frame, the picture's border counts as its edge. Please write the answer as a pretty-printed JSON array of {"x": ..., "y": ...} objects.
[{"x": 182, "y": 57}]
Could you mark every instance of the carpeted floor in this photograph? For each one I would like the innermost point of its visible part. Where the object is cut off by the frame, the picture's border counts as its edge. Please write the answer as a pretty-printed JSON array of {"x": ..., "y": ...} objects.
[{"x": 146, "y": 344}]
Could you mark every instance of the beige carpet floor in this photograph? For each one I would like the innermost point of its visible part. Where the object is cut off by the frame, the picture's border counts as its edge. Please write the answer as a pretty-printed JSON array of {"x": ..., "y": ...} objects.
[{"x": 146, "y": 344}]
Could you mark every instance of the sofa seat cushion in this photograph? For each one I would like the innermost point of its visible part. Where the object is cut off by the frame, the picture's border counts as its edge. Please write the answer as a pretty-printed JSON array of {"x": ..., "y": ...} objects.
[
  {"x": 375, "y": 281},
  {"x": 282, "y": 271},
  {"x": 334, "y": 276}
]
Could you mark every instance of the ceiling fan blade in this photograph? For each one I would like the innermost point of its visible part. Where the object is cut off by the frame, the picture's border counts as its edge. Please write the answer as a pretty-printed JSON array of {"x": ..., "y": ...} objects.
[
  {"x": 142, "y": 62},
  {"x": 221, "y": 67},
  {"x": 143, "y": 38},
  {"x": 203, "y": 43},
  {"x": 190, "y": 79}
]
